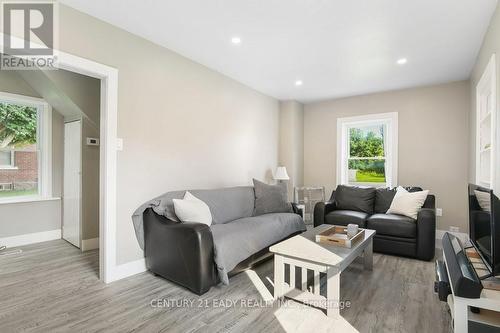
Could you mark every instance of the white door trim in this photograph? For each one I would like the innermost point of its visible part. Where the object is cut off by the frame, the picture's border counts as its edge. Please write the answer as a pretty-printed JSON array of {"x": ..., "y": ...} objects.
[{"x": 108, "y": 130}]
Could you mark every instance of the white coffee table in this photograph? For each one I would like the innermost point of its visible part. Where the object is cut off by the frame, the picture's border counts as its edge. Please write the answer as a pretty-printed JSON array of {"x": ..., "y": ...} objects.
[{"x": 304, "y": 252}]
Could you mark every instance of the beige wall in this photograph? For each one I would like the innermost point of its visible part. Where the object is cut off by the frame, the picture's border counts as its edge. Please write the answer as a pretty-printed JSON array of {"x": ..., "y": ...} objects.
[
  {"x": 183, "y": 125},
  {"x": 90, "y": 182},
  {"x": 83, "y": 91},
  {"x": 491, "y": 45},
  {"x": 12, "y": 82},
  {"x": 291, "y": 143},
  {"x": 24, "y": 218},
  {"x": 57, "y": 153},
  {"x": 433, "y": 141}
]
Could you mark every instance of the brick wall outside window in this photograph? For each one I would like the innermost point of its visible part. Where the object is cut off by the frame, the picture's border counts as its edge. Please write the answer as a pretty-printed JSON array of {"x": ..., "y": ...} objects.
[{"x": 25, "y": 176}]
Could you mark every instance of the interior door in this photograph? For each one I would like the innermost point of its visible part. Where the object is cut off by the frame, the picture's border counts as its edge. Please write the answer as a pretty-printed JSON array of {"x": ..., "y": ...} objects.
[{"x": 71, "y": 228}]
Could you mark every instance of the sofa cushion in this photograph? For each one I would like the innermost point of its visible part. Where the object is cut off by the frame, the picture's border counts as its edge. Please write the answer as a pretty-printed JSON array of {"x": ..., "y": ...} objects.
[
  {"x": 271, "y": 198},
  {"x": 345, "y": 217},
  {"x": 383, "y": 199},
  {"x": 226, "y": 204},
  {"x": 392, "y": 225},
  {"x": 356, "y": 198},
  {"x": 237, "y": 240}
]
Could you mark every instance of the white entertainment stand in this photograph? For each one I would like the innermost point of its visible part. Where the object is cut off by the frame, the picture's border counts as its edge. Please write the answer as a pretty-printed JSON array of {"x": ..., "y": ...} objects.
[{"x": 488, "y": 303}]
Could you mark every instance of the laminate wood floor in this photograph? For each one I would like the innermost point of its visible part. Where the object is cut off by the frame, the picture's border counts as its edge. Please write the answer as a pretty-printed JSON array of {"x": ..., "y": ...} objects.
[{"x": 53, "y": 287}]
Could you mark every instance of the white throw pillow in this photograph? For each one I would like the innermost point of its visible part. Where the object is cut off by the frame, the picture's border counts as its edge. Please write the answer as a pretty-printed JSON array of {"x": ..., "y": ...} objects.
[
  {"x": 407, "y": 203},
  {"x": 192, "y": 209}
]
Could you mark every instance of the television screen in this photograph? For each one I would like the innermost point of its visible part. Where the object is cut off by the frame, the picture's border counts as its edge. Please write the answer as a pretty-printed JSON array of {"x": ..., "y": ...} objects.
[{"x": 482, "y": 220}]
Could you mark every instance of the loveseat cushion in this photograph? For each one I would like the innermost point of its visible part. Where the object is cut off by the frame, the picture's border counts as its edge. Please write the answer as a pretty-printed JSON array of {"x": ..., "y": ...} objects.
[
  {"x": 345, "y": 217},
  {"x": 360, "y": 199},
  {"x": 392, "y": 225},
  {"x": 237, "y": 240},
  {"x": 383, "y": 199}
]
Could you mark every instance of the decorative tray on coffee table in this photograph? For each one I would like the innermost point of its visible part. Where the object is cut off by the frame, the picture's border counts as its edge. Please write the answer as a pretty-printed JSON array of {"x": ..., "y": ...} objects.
[{"x": 337, "y": 235}]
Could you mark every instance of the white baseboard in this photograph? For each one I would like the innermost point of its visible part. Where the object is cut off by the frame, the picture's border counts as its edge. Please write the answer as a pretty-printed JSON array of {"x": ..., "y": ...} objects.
[
  {"x": 90, "y": 244},
  {"x": 125, "y": 270},
  {"x": 27, "y": 239},
  {"x": 461, "y": 235}
]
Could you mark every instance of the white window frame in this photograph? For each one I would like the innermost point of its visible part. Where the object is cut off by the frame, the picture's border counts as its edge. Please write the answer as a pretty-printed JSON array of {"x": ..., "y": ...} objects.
[
  {"x": 12, "y": 165},
  {"x": 44, "y": 145},
  {"x": 390, "y": 120}
]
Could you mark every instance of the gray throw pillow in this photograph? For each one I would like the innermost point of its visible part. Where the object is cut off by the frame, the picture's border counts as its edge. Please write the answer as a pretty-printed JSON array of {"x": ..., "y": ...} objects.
[{"x": 270, "y": 198}]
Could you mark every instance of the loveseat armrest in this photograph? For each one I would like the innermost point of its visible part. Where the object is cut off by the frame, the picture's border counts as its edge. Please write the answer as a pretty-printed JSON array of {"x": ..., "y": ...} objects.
[
  {"x": 321, "y": 209},
  {"x": 426, "y": 234},
  {"x": 430, "y": 202},
  {"x": 180, "y": 252}
]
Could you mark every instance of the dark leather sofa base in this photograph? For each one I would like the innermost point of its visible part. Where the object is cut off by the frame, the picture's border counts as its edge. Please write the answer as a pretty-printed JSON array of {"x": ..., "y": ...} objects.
[
  {"x": 395, "y": 245},
  {"x": 190, "y": 253}
]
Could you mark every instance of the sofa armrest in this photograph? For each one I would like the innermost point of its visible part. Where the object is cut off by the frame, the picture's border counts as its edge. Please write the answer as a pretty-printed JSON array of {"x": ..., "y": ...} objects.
[
  {"x": 426, "y": 234},
  {"x": 180, "y": 252},
  {"x": 320, "y": 210},
  {"x": 297, "y": 210}
]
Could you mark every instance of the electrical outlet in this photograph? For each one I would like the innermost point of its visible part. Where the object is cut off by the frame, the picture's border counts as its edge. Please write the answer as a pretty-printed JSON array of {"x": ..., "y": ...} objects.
[
  {"x": 439, "y": 212},
  {"x": 454, "y": 229}
]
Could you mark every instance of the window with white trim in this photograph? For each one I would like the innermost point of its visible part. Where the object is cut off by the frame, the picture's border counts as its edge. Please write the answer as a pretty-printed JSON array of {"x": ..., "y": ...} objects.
[
  {"x": 367, "y": 150},
  {"x": 6, "y": 159},
  {"x": 25, "y": 148}
]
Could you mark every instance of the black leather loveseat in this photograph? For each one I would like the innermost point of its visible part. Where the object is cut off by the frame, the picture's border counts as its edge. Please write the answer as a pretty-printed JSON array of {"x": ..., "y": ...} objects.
[{"x": 367, "y": 207}]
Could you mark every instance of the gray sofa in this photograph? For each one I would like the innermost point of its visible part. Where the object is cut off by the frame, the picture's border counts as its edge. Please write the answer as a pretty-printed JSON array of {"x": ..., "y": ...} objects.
[{"x": 198, "y": 256}]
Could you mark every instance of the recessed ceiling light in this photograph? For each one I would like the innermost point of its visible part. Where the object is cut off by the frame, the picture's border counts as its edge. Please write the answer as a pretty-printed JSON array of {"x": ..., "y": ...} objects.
[
  {"x": 402, "y": 61},
  {"x": 236, "y": 40},
  {"x": 298, "y": 83}
]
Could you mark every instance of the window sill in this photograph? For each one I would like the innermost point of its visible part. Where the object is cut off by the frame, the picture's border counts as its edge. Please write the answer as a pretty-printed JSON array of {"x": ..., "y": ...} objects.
[
  {"x": 26, "y": 199},
  {"x": 9, "y": 168}
]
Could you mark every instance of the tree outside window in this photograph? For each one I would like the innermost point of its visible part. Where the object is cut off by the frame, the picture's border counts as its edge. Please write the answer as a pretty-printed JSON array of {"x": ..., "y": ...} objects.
[
  {"x": 18, "y": 150},
  {"x": 366, "y": 161}
]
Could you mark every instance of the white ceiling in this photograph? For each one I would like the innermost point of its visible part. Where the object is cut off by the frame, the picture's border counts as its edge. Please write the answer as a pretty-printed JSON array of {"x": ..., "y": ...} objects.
[{"x": 336, "y": 47}]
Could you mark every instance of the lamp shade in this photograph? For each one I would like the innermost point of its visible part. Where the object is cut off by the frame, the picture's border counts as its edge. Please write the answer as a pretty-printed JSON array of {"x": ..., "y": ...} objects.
[{"x": 281, "y": 174}]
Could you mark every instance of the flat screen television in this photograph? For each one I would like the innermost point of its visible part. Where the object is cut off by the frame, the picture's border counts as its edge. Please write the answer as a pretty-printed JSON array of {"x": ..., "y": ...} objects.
[{"x": 484, "y": 226}]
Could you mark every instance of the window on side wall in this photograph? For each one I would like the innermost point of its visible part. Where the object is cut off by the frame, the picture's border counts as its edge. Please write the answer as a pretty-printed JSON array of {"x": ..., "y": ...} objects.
[
  {"x": 25, "y": 142},
  {"x": 367, "y": 150}
]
